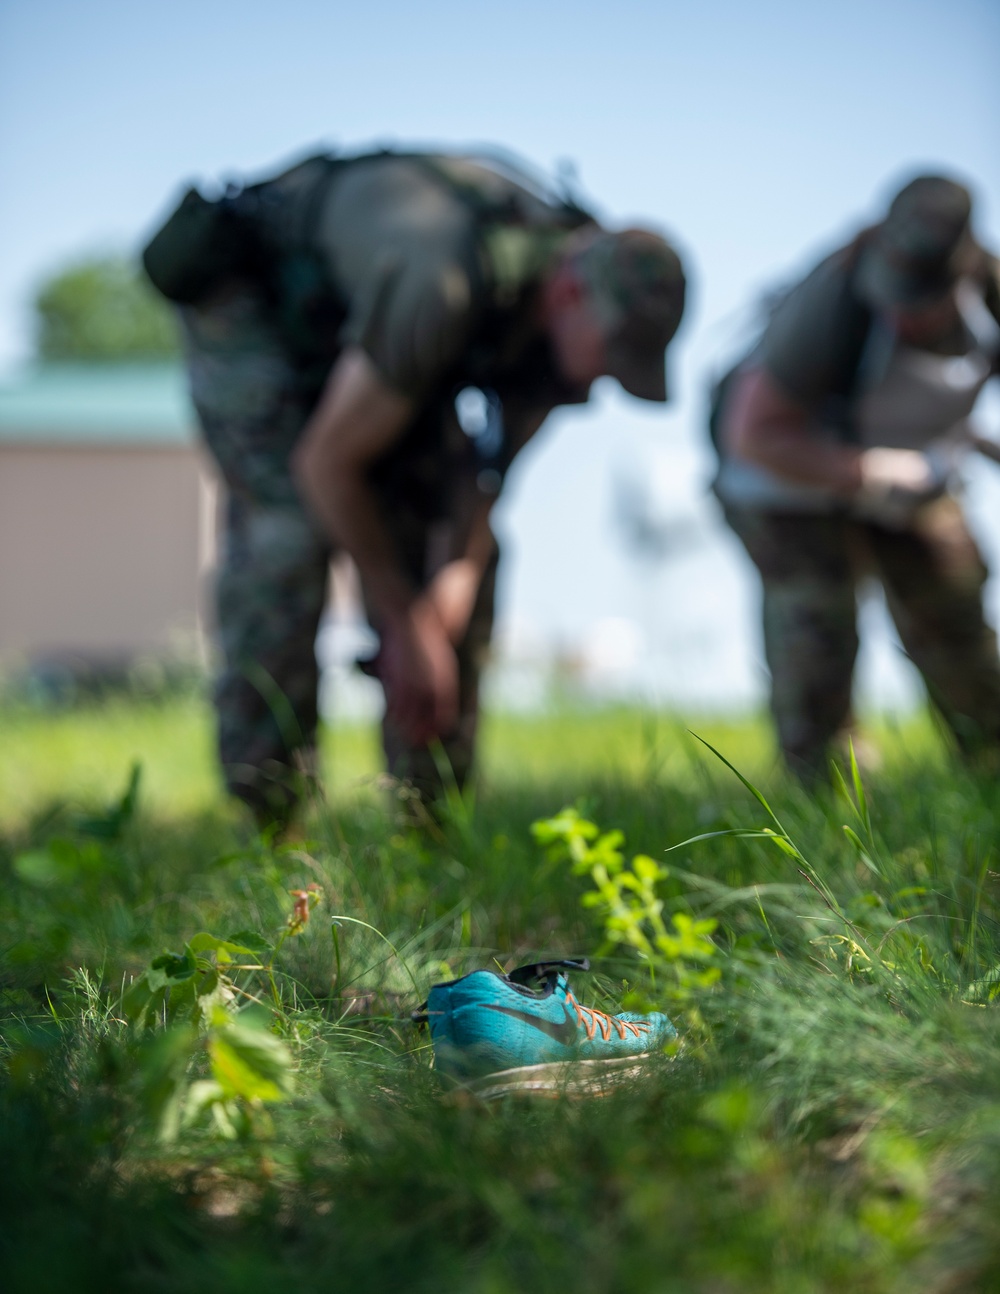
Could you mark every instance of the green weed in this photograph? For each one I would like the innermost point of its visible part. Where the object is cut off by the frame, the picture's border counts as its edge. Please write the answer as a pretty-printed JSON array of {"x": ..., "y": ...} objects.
[{"x": 676, "y": 954}]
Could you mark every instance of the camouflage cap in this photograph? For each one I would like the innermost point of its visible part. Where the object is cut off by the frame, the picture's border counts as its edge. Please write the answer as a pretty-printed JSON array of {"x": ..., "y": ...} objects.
[
  {"x": 923, "y": 246},
  {"x": 636, "y": 282}
]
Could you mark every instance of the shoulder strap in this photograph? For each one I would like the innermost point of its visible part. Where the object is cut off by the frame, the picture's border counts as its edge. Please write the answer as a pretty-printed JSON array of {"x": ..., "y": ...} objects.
[
  {"x": 286, "y": 208},
  {"x": 854, "y": 328},
  {"x": 565, "y": 211}
]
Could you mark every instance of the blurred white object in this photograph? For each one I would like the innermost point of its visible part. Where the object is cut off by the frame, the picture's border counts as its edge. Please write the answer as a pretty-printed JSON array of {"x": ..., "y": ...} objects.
[{"x": 895, "y": 482}]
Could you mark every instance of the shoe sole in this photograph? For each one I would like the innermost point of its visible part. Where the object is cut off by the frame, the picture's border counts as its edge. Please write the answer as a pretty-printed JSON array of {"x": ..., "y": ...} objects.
[{"x": 572, "y": 1078}]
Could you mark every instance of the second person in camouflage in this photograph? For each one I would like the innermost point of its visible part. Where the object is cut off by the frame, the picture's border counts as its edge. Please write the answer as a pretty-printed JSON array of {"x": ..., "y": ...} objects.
[{"x": 838, "y": 439}]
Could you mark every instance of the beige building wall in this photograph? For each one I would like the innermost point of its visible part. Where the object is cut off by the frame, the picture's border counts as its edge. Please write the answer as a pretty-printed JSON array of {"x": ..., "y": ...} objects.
[{"x": 103, "y": 549}]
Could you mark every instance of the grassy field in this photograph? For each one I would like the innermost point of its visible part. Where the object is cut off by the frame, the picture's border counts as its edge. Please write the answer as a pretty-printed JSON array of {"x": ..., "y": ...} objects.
[{"x": 256, "y": 1110}]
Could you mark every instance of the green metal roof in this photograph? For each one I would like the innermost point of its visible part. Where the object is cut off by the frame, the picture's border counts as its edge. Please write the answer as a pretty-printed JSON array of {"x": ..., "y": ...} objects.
[{"x": 99, "y": 404}]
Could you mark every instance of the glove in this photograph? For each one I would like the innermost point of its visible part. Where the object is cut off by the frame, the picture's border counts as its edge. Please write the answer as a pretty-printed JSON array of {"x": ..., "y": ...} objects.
[{"x": 896, "y": 482}]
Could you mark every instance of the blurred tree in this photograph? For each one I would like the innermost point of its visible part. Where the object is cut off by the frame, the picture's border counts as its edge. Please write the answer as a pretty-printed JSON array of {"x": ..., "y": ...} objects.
[{"x": 102, "y": 308}]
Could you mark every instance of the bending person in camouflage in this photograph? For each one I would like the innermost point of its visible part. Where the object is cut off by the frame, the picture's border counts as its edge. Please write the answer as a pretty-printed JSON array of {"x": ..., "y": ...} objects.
[
  {"x": 839, "y": 437},
  {"x": 333, "y": 315}
]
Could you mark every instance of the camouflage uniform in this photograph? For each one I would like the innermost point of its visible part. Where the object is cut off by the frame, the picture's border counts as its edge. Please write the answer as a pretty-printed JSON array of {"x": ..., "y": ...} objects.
[
  {"x": 933, "y": 577},
  {"x": 832, "y": 348},
  {"x": 253, "y": 402}
]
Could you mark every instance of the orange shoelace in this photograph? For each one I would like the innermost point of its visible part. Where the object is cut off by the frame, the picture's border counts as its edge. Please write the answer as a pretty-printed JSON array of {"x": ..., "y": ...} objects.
[{"x": 592, "y": 1019}]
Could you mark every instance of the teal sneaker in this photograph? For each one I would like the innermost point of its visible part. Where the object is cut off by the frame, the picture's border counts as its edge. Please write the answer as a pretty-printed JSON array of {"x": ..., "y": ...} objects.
[{"x": 526, "y": 1032}]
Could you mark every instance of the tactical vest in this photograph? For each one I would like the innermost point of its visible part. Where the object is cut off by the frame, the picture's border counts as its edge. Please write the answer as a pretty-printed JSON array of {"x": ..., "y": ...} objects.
[
  {"x": 854, "y": 319},
  {"x": 268, "y": 232}
]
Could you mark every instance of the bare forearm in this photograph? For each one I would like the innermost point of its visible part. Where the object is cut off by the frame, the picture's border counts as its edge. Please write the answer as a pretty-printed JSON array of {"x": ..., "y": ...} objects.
[
  {"x": 790, "y": 454},
  {"x": 357, "y": 419},
  {"x": 765, "y": 427},
  {"x": 351, "y": 514},
  {"x": 356, "y": 422},
  {"x": 454, "y": 588}
]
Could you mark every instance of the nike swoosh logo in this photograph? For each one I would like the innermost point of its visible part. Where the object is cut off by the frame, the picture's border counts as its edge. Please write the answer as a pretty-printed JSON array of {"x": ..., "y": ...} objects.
[{"x": 565, "y": 1031}]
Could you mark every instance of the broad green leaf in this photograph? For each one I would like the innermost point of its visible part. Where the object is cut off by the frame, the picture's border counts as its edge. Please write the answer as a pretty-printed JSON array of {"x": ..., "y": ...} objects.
[
  {"x": 248, "y": 941},
  {"x": 182, "y": 995},
  {"x": 136, "y": 998},
  {"x": 225, "y": 949},
  {"x": 164, "y": 1066},
  {"x": 38, "y": 867},
  {"x": 250, "y": 1062},
  {"x": 647, "y": 869},
  {"x": 200, "y": 1096},
  {"x": 225, "y": 1115},
  {"x": 171, "y": 969},
  {"x": 57, "y": 864}
]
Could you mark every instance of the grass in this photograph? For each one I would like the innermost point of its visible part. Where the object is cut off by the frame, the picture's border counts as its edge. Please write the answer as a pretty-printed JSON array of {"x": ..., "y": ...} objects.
[
  {"x": 831, "y": 1122},
  {"x": 80, "y": 754}
]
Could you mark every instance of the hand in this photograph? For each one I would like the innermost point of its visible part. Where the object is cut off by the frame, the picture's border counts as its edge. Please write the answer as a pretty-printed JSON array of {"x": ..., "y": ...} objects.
[
  {"x": 419, "y": 672},
  {"x": 894, "y": 484}
]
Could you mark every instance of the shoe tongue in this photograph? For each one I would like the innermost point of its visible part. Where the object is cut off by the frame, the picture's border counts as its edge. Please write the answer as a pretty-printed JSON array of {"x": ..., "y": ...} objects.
[{"x": 544, "y": 972}]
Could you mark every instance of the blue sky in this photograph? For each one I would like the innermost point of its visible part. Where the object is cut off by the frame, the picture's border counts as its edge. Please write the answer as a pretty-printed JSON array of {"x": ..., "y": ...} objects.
[
  {"x": 753, "y": 131},
  {"x": 755, "y": 134}
]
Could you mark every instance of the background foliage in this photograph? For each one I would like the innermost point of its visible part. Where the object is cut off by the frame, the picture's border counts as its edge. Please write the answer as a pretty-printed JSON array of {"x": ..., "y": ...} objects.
[{"x": 103, "y": 308}]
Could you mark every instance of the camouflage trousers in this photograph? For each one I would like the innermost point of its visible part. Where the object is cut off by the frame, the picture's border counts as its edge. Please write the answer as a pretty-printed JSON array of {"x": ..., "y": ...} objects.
[
  {"x": 933, "y": 576},
  {"x": 271, "y": 588}
]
